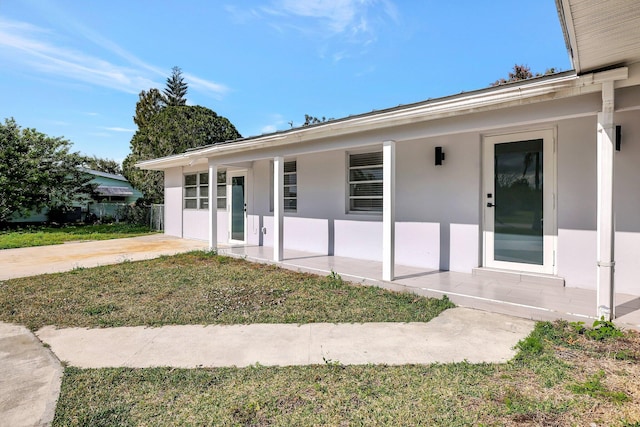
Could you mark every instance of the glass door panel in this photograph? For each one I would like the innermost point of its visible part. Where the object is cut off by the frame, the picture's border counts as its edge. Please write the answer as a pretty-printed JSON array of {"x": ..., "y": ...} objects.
[
  {"x": 518, "y": 220},
  {"x": 519, "y": 202},
  {"x": 238, "y": 208}
]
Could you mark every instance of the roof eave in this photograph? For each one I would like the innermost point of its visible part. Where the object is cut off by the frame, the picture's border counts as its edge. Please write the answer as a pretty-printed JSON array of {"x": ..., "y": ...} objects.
[{"x": 464, "y": 103}]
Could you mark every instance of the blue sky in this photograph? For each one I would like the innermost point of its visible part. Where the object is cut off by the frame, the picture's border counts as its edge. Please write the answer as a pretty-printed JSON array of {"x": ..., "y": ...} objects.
[{"x": 75, "y": 68}]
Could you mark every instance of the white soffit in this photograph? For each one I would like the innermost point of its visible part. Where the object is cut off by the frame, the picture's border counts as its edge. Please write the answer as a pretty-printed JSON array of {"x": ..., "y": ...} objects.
[{"x": 601, "y": 33}]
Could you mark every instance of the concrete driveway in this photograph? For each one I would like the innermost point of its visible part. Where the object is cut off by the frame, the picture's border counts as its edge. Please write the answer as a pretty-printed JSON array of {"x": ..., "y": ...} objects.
[{"x": 25, "y": 262}]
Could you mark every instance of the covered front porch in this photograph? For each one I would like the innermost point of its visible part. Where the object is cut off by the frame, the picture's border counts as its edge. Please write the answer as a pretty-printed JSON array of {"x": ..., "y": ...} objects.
[{"x": 485, "y": 290}]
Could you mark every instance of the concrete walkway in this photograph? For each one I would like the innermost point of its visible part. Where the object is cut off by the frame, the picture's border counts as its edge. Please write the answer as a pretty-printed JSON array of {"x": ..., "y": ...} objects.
[
  {"x": 30, "y": 378},
  {"x": 26, "y": 262},
  {"x": 30, "y": 374},
  {"x": 457, "y": 334}
]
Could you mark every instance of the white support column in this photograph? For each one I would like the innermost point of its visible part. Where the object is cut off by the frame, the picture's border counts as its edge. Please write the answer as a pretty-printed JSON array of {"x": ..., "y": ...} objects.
[
  {"x": 605, "y": 221},
  {"x": 278, "y": 208},
  {"x": 388, "y": 209},
  {"x": 213, "y": 205}
]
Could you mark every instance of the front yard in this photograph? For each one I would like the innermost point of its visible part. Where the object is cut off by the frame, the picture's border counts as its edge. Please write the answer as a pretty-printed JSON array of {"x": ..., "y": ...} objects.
[
  {"x": 561, "y": 376},
  {"x": 43, "y": 236}
]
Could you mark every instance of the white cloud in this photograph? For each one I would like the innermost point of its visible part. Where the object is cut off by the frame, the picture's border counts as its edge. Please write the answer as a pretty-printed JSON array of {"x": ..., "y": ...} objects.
[
  {"x": 277, "y": 123},
  {"x": 347, "y": 27},
  {"x": 35, "y": 49},
  {"x": 354, "y": 19}
]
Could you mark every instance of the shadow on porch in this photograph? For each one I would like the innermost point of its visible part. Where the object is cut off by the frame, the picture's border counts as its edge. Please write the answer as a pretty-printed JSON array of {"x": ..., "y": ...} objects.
[{"x": 499, "y": 295}]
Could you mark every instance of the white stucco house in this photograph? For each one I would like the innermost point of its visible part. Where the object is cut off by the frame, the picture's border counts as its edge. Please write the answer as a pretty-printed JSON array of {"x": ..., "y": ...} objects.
[{"x": 523, "y": 178}]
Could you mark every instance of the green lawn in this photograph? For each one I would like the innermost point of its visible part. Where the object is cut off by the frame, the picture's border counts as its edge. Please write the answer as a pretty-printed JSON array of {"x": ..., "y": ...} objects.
[
  {"x": 559, "y": 378},
  {"x": 201, "y": 288},
  {"x": 43, "y": 236},
  {"x": 563, "y": 374}
]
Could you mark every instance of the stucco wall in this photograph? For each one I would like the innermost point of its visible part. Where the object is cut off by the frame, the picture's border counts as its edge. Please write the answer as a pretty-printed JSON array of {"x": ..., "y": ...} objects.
[
  {"x": 433, "y": 229},
  {"x": 439, "y": 212},
  {"x": 173, "y": 202},
  {"x": 627, "y": 201}
]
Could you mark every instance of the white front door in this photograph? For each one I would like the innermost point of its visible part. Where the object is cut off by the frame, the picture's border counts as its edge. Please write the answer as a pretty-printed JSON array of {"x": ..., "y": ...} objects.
[
  {"x": 238, "y": 207},
  {"x": 519, "y": 201}
]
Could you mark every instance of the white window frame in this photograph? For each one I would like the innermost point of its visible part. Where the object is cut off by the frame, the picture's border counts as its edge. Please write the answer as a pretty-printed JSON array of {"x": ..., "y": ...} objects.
[
  {"x": 201, "y": 191},
  {"x": 287, "y": 177},
  {"x": 350, "y": 196},
  {"x": 221, "y": 187},
  {"x": 295, "y": 173}
]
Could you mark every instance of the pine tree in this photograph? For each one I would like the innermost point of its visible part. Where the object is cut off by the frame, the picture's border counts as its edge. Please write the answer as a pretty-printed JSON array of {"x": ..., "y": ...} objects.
[
  {"x": 176, "y": 88},
  {"x": 151, "y": 102}
]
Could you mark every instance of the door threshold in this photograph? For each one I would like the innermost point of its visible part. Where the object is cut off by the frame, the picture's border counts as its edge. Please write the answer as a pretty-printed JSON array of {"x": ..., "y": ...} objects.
[{"x": 519, "y": 276}]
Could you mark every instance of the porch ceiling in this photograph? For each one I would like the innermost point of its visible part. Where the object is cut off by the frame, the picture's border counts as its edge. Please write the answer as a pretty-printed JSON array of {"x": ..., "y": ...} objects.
[{"x": 601, "y": 34}]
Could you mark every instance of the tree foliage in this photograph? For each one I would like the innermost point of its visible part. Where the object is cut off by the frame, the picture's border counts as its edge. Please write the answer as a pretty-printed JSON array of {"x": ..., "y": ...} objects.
[
  {"x": 176, "y": 89},
  {"x": 312, "y": 120},
  {"x": 103, "y": 165},
  {"x": 149, "y": 104},
  {"x": 37, "y": 171},
  {"x": 172, "y": 131},
  {"x": 522, "y": 72}
]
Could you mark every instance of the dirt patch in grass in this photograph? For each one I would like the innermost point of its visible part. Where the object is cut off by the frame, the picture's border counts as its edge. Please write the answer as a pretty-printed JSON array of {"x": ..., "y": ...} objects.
[
  {"x": 201, "y": 288},
  {"x": 534, "y": 389}
]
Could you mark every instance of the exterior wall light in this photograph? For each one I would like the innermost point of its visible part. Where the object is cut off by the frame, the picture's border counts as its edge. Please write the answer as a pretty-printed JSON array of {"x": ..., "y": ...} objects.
[
  {"x": 439, "y": 156},
  {"x": 618, "y": 137}
]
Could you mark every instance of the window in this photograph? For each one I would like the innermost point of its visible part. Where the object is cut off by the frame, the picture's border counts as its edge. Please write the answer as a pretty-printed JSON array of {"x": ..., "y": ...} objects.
[
  {"x": 365, "y": 182},
  {"x": 222, "y": 189},
  {"x": 290, "y": 187},
  {"x": 196, "y": 191}
]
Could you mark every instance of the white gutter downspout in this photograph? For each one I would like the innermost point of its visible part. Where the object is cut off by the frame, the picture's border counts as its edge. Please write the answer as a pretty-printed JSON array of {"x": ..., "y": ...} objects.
[{"x": 605, "y": 216}]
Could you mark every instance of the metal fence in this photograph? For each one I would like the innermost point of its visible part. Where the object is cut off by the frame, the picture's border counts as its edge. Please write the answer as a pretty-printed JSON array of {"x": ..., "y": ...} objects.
[
  {"x": 156, "y": 217},
  {"x": 153, "y": 215}
]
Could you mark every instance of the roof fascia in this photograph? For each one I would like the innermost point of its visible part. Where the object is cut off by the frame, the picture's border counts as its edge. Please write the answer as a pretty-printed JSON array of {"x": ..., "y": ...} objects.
[
  {"x": 568, "y": 30},
  {"x": 487, "y": 99}
]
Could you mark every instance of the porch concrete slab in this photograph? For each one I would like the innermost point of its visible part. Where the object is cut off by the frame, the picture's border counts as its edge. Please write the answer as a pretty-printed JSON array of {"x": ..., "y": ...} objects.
[
  {"x": 457, "y": 334},
  {"x": 30, "y": 378},
  {"x": 537, "y": 301},
  {"x": 24, "y": 262}
]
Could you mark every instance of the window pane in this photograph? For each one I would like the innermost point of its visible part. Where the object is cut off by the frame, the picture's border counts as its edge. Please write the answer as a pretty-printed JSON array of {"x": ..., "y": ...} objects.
[
  {"x": 368, "y": 174},
  {"x": 222, "y": 177},
  {"x": 365, "y": 159},
  {"x": 190, "y": 192},
  {"x": 368, "y": 189},
  {"x": 204, "y": 203},
  {"x": 222, "y": 203},
  {"x": 290, "y": 191},
  {"x": 204, "y": 178},
  {"x": 291, "y": 179},
  {"x": 289, "y": 167},
  {"x": 290, "y": 204},
  {"x": 190, "y": 180},
  {"x": 222, "y": 190},
  {"x": 204, "y": 191},
  {"x": 366, "y": 205},
  {"x": 190, "y": 204}
]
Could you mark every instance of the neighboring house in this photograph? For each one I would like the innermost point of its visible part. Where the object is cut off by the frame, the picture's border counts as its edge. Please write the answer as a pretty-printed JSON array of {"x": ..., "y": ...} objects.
[
  {"x": 112, "y": 191},
  {"x": 520, "y": 178}
]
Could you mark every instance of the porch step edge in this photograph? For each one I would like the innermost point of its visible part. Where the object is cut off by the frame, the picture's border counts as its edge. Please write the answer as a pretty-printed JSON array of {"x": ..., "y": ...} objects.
[{"x": 519, "y": 276}]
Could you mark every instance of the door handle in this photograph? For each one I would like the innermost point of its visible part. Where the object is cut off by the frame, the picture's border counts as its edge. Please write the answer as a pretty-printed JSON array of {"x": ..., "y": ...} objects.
[{"x": 490, "y": 205}]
